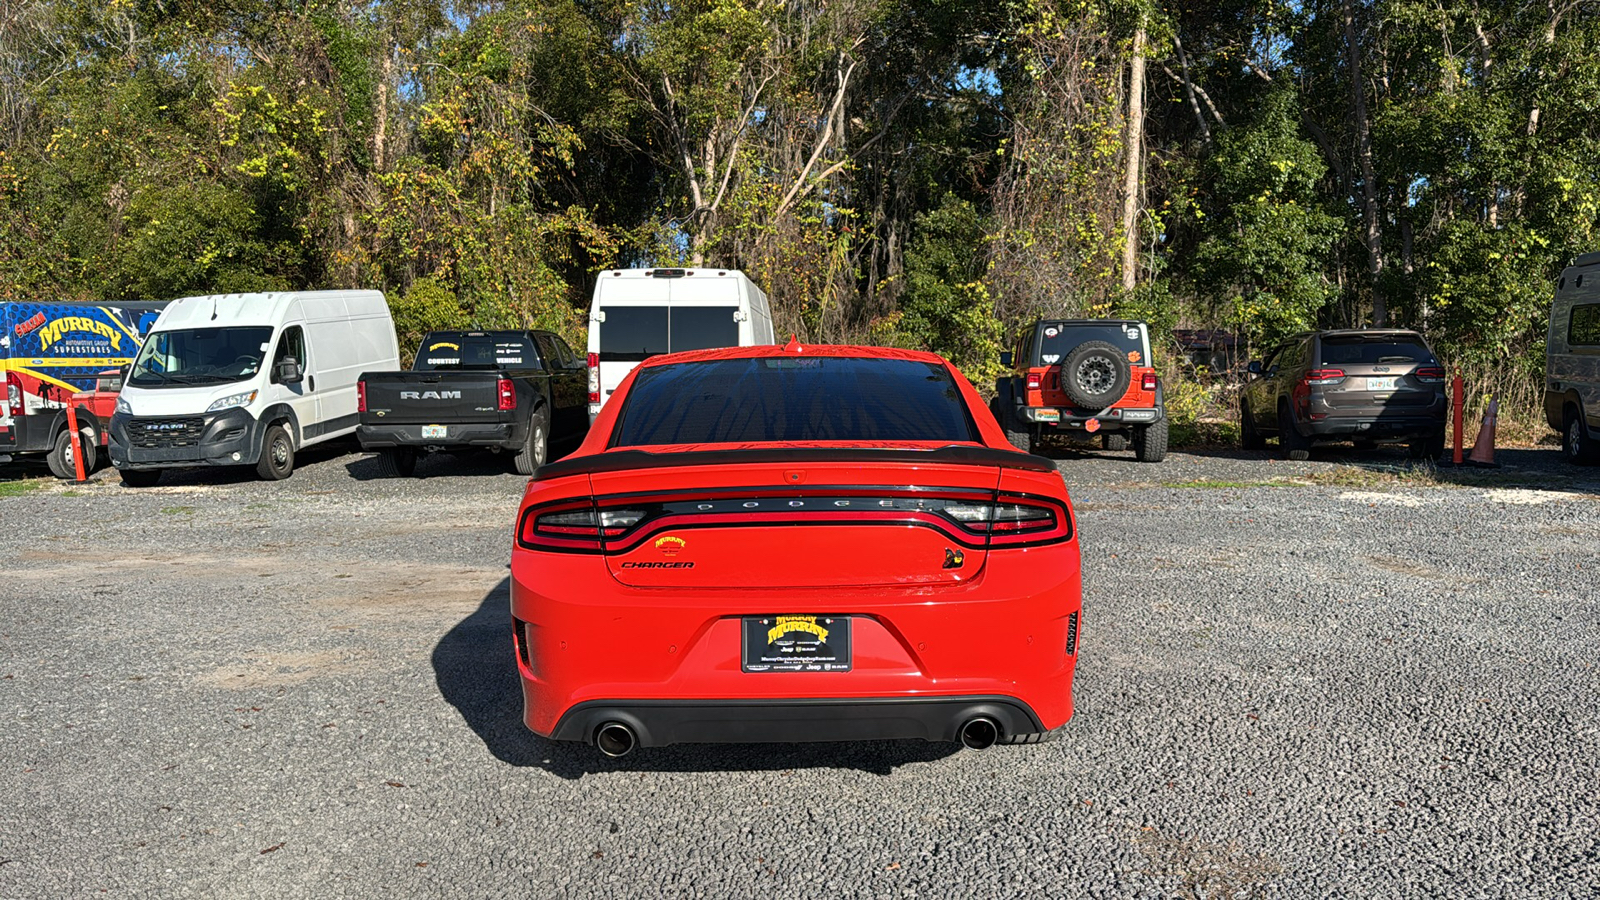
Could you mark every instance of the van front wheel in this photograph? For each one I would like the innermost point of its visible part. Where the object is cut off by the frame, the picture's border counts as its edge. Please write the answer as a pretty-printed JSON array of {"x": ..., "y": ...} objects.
[{"x": 277, "y": 454}]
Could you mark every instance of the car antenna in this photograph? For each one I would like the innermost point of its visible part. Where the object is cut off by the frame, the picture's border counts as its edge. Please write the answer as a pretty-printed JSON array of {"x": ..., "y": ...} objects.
[{"x": 213, "y": 307}]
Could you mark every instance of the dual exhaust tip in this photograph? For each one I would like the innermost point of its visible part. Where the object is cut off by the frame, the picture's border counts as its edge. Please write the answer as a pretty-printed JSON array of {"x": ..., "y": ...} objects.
[{"x": 616, "y": 740}]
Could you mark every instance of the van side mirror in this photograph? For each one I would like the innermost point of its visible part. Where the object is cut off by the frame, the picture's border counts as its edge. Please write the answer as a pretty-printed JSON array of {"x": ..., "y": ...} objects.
[
  {"x": 1007, "y": 358},
  {"x": 1255, "y": 367},
  {"x": 288, "y": 371}
]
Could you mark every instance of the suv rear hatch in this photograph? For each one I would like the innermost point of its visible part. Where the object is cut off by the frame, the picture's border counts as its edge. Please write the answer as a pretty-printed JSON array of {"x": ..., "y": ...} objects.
[{"x": 1367, "y": 374}]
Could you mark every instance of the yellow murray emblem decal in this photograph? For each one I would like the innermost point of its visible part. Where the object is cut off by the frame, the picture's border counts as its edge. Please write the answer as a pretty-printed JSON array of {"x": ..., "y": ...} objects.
[
  {"x": 670, "y": 544},
  {"x": 787, "y": 624}
]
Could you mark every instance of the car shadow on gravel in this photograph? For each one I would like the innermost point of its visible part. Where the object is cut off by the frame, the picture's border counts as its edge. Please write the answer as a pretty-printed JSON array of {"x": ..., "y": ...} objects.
[{"x": 474, "y": 667}]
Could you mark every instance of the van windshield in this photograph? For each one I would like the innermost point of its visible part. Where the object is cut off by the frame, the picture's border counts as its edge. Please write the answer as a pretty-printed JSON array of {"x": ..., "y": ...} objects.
[{"x": 191, "y": 356}]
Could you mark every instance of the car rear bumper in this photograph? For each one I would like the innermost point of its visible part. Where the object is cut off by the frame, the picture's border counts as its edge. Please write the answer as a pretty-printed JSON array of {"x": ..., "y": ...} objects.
[
  {"x": 492, "y": 434},
  {"x": 668, "y": 662},
  {"x": 1380, "y": 427},
  {"x": 1068, "y": 419},
  {"x": 658, "y": 723}
]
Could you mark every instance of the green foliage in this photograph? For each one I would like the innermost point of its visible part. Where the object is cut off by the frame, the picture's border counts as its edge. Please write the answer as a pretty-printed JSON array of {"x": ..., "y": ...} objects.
[
  {"x": 429, "y": 305},
  {"x": 946, "y": 307},
  {"x": 1264, "y": 259}
]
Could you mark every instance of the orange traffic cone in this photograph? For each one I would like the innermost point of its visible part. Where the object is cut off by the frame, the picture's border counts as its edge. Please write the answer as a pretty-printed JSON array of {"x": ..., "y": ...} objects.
[{"x": 1483, "y": 448}]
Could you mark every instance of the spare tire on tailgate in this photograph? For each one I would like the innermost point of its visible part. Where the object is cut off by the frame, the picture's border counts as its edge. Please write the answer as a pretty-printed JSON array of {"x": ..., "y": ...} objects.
[{"x": 1095, "y": 375}]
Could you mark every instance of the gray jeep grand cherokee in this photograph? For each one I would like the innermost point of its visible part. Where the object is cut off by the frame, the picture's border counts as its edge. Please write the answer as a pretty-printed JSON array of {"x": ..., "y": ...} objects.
[{"x": 1365, "y": 386}]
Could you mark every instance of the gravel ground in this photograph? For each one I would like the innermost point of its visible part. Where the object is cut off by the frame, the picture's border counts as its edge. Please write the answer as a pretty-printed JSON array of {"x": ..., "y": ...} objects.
[{"x": 1339, "y": 678}]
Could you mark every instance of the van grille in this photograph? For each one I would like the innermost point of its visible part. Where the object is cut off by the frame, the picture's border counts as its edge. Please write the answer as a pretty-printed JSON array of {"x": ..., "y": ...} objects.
[{"x": 161, "y": 434}]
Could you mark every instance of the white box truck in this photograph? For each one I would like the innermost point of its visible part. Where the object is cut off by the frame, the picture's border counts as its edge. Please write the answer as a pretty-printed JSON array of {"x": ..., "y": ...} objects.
[
  {"x": 639, "y": 313},
  {"x": 247, "y": 380}
]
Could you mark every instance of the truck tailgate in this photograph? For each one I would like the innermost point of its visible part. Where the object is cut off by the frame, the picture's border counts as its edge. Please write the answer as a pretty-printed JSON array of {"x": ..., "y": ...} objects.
[{"x": 431, "y": 397}]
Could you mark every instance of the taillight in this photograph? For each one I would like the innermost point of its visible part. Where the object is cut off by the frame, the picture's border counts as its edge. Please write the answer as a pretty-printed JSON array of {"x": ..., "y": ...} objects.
[
  {"x": 594, "y": 378},
  {"x": 1147, "y": 381},
  {"x": 508, "y": 395},
  {"x": 1034, "y": 380},
  {"x": 1323, "y": 376},
  {"x": 361, "y": 396},
  {"x": 1430, "y": 375},
  {"x": 14, "y": 395},
  {"x": 1012, "y": 520},
  {"x": 574, "y": 528}
]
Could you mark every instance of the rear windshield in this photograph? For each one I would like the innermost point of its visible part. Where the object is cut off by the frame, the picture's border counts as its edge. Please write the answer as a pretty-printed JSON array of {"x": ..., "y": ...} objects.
[
  {"x": 1054, "y": 347},
  {"x": 475, "y": 351},
  {"x": 1355, "y": 350},
  {"x": 793, "y": 399},
  {"x": 636, "y": 333}
]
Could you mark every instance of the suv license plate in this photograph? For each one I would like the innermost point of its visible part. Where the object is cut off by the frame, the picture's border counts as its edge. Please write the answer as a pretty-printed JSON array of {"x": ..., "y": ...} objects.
[
  {"x": 1047, "y": 415},
  {"x": 435, "y": 431},
  {"x": 792, "y": 643},
  {"x": 1386, "y": 383}
]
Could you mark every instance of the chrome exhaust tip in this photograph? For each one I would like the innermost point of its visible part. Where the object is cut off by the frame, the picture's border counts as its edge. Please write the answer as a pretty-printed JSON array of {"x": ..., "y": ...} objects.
[
  {"x": 615, "y": 740},
  {"x": 979, "y": 733}
]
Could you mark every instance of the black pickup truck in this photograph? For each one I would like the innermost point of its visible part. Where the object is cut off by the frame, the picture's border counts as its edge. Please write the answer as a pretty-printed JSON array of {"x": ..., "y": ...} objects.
[{"x": 516, "y": 391}]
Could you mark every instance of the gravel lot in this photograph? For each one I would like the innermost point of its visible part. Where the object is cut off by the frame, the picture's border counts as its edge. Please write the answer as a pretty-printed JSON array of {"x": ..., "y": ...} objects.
[{"x": 1338, "y": 678}]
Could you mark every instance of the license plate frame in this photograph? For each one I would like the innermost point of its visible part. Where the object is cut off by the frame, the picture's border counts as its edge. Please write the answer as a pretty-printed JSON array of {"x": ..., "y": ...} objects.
[
  {"x": 436, "y": 431},
  {"x": 1383, "y": 382},
  {"x": 789, "y": 642}
]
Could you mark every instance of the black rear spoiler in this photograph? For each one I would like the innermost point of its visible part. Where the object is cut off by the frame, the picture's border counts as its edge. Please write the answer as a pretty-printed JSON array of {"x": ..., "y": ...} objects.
[{"x": 625, "y": 460}]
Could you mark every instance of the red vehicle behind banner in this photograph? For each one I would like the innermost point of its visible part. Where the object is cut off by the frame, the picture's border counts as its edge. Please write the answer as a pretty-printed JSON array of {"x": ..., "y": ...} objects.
[{"x": 794, "y": 544}]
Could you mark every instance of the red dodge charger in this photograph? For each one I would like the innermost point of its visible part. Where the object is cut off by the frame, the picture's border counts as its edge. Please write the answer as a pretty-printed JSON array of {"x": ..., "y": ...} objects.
[{"x": 795, "y": 544}]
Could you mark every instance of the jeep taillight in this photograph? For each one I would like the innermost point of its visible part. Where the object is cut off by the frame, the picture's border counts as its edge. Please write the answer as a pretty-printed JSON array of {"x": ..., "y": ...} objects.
[
  {"x": 361, "y": 396},
  {"x": 1430, "y": 374},
  {"x": 574, "y": 528},
  {"x": 1323, "y": 376},
  {"x": 14, "y": 395},
  {"x": 507, "y": 394},
  {"x": 594, "y": 378},
  {"x": 1034, "y": 380},
  {"x": 1147, "y": 381}
]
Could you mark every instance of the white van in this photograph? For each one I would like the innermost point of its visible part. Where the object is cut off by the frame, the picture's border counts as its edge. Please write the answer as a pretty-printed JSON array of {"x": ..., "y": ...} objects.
[
  {"x": 1572, "y": 361},
  {"x": 247, "y": 380},
  {"x": 639, "y": 313}
]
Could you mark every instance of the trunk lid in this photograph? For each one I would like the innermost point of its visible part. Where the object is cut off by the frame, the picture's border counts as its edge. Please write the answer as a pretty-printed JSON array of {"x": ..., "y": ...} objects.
[
  {"x": 1379, "y": 373},
  {"x": 800, "y": 523}
]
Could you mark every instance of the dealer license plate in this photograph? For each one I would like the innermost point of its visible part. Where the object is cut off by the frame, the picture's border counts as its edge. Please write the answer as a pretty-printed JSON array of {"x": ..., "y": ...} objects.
[
  {"x": 1047, "y": 415},
  {"x": 1385, "y": 383},
  {"x": 794, "y": 643},
  {"x": 435, "y": 431}
]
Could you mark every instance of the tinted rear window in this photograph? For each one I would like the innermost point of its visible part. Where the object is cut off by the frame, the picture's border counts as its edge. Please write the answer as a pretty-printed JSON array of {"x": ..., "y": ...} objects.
[
  {"x": 1355, "y": 350},
  {"x": 793, "y": 399},
  {"x": 633, "y": 333},
  {"x": 457, "y": 351},
  {"x": 1054, "y": 347},
  {"x": 703, "y": 327}
]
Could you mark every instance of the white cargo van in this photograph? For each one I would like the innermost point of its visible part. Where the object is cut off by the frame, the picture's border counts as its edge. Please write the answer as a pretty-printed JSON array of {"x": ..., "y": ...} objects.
[
  {"x": 1572, "y": 361},
  {"x": 247, "y": 380},
  {"x": 639, "y": 313}
]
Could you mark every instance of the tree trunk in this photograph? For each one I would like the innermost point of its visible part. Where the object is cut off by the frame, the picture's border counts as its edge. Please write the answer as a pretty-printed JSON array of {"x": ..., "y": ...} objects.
[
  {"x": 1130, "y": 181},
  {"x": 380, "y": 127},
  {"x": 1369, "y": 191}
]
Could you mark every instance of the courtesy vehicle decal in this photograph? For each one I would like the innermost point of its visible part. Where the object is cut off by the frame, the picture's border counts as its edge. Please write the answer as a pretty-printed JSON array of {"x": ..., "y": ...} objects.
[
  {"x": 432, "y": 347},
  {"x": 670, "y": 545}
]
